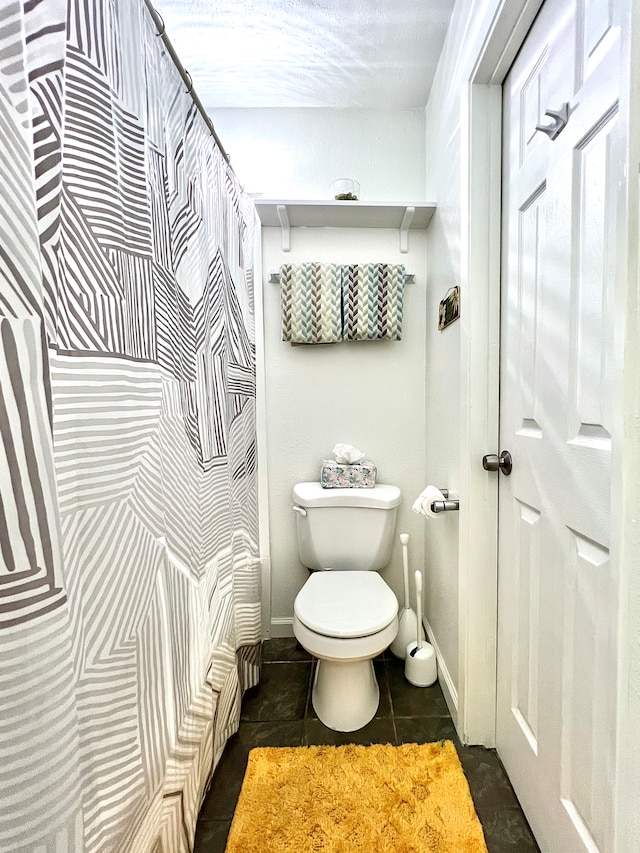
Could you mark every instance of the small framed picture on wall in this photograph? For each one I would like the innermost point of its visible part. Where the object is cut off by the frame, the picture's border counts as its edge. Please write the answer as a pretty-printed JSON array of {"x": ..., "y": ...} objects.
[{"x": 449, "y": 308}]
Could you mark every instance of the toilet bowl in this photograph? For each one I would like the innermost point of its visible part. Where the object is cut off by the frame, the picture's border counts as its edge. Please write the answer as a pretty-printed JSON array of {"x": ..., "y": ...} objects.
[
  {"x": 345, "y": 619},
  {"x": 345, "y": 614}
]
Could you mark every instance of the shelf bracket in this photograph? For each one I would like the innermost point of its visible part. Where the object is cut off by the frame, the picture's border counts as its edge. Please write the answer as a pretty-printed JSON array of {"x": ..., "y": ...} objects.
[
  {"x": 404, "y": 229},
  {"x": 286, "y": 228}
]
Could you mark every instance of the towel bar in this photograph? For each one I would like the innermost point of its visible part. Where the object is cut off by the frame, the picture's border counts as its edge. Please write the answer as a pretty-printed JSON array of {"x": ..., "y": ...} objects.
[{"x": 274, "y": 277}]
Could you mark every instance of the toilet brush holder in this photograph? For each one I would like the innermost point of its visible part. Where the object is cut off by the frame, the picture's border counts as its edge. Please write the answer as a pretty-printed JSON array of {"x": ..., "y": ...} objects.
[{"x": 420, "y": 667}]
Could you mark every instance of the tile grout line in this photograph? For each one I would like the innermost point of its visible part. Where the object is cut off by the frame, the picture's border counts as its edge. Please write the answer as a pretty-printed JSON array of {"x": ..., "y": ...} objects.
[
  {"x": 307, "y": 705},
  {"x": 389, "y": 694}
]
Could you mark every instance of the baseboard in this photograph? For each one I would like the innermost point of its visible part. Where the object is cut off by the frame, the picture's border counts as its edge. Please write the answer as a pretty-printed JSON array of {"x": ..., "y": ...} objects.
[
  {"x": 444, "y": 677},
  {"x": 282, "y": 626}
]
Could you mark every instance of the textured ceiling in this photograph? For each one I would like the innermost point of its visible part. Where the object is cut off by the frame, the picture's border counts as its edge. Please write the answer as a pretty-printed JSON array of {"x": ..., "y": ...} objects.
[{"x": 373, "y": 54}]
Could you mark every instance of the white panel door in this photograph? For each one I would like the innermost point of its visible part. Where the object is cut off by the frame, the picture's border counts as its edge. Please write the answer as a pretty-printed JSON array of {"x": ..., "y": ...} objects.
[{"x": 558, "y": 587}]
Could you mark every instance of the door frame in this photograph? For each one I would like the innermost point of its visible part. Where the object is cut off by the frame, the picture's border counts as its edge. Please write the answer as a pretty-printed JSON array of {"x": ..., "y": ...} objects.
[{"x": 481, "y": 132}]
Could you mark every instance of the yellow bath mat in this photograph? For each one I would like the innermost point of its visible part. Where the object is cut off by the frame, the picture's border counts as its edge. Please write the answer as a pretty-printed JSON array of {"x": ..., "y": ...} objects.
[{"x": 341, "y": 799}]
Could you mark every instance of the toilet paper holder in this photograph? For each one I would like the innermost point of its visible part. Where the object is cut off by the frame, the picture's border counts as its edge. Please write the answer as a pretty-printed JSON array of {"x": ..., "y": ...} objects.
[{"x": 446, "y": 505}]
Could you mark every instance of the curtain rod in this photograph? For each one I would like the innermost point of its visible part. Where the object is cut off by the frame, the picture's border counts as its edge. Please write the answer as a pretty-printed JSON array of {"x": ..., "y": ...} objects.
[{"x": 186, "y": 77}]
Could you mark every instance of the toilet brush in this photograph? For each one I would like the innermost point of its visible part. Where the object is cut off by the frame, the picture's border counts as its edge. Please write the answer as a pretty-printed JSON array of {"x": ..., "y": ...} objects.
[
  {"x": 420, "y": 668},
  {"x": 408, "y": 621}
]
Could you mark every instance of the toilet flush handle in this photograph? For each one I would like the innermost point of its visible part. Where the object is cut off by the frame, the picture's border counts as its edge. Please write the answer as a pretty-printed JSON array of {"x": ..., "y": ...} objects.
[{"x": 299, "y": 509}]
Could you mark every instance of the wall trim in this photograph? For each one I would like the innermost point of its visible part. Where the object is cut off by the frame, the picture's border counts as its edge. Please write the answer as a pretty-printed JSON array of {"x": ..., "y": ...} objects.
[
  {"x": 282, "y": 626},
  {"x": 445, "y": 680},
  {"x": 625, "y": 485},
  {"x": 480, "y": 367},
  {"x": 508, "y": 29},
  {"x": 479, "y": 421}
]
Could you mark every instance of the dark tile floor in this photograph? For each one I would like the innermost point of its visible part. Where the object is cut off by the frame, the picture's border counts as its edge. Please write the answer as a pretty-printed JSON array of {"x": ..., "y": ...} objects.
[{"x": 278, "y": 712}]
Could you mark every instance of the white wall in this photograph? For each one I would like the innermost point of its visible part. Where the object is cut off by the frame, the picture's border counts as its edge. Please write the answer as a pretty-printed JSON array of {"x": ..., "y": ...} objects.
[
  {"x": 297, "y": 153},
  {"x": 452, "y": 249},
  {"x": 442, "y": 457},
  {"x": 462, "y": 156},
  {"x": 444, "y": 151},
  {"x": 370, "y": 394}
]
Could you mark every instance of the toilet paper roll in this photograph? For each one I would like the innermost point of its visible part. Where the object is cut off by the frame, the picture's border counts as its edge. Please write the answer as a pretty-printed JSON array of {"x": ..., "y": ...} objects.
[{"x": 422, "y": 504}]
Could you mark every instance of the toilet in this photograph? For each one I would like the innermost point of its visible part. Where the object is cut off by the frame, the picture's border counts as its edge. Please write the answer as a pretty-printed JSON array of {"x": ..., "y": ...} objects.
[{"x": 345, "y": 614}]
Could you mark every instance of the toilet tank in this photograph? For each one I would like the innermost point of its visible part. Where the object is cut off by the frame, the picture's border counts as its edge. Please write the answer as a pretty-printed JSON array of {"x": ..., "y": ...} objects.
[{"x": 345, "y": 529}]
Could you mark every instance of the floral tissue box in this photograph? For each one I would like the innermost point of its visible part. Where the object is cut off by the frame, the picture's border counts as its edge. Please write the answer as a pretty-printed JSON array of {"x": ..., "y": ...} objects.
[{"x": 342, "y": 475}]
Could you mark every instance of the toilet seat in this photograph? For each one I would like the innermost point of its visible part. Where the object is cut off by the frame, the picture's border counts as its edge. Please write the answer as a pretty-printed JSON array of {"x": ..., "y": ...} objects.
[{"x": 345, "y": 604}]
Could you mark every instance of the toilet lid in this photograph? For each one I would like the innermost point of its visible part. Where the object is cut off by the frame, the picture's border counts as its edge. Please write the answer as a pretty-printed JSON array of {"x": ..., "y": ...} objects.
[{"x": 345, "y": 604}]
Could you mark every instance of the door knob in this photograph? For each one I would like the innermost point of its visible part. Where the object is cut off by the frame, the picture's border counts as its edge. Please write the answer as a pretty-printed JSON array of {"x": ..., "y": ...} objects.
[{"x": 503, "y": 463}]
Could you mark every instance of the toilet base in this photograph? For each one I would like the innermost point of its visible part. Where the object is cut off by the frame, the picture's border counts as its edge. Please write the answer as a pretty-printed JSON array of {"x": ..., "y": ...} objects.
[{"x": 345, "y": 694}]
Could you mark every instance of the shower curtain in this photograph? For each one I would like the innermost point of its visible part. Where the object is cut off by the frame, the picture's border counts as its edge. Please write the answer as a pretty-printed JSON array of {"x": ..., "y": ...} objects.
[{"x": 129, "y": 571}]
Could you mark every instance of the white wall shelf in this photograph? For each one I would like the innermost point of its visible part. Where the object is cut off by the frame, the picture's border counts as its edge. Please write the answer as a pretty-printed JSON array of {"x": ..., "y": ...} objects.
[{"x": 343, "y": 214}]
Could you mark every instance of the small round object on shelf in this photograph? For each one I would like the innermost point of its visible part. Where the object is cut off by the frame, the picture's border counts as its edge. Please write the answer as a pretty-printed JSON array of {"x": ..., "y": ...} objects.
[{"x": 345, "y": 189}]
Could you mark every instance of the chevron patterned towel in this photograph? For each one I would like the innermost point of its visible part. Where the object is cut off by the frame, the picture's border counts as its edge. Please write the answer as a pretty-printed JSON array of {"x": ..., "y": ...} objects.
[
  {"x": 372, "y": 301},
  {"x": 311, "y": 301}
]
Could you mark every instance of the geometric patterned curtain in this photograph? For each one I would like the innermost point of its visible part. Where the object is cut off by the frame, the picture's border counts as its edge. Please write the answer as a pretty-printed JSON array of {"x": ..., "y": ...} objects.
[{"x": 129, "y": 571}]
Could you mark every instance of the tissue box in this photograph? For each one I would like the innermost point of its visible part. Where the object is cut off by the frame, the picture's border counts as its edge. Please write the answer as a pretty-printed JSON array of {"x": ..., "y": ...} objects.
[{"x": 341, "y": 475}]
